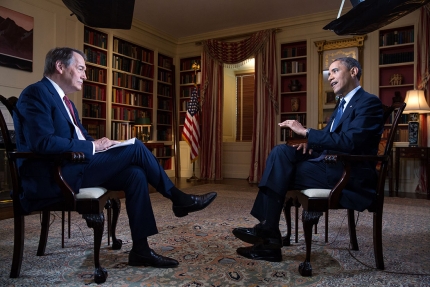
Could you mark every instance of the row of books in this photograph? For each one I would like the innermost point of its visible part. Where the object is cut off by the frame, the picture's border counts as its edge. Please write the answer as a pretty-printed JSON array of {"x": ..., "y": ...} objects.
[
  {"x": 131, "y": 82},
  {"x": 121, "y": 96},
  {"x": 289, "y": 134},
  {"x": 184, "y": 106},
  {"x": 95, "y": 56},
  {"x": 166, "y": 163},
  {"x": 164, "y": 90},
  {"x": 121, "y": 131},
  {"x": 92, "y": 110},
  {"x": 94, "y": 92},
  {"x": 164, "y": 118},
  {"x": 289, "y": 67},
  {"x": 186, "y": 92},
  {"x": 95, "y": 38},
  {"x": 165, "y": 76},
  {"x": 404, "y": 119},
  {"x": 96, "y": 131},
  {"x": 396, "y": 38},
  {"x": 293, "y": 52},
  {"x": 164, "y": 134},
  {"x": 124, "y": 114},
  {"x": 188, "y": 79},
  {"x": 164, "y": 62},
  {"x": 132, "y": 66},
  {"x": 96, "y": 74},
  {"x": 164, "y": 104},
  {"x": 301, "y": 118},
  {"x": 394, "y": 58},
  {"x": 162, "y": 152},
  {"x": 188, "y": 64},
  {"x": 133, "y": 51}
]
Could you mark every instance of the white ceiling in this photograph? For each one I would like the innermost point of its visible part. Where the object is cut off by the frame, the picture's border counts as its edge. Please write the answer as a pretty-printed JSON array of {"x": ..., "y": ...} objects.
[{"x": 184, "y": 18}]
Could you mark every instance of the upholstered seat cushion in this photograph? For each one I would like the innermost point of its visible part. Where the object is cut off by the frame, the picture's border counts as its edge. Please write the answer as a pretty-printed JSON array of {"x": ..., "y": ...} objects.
[
  {"x": 91, "y": 192},
  {"x": 316, "y": 192}
]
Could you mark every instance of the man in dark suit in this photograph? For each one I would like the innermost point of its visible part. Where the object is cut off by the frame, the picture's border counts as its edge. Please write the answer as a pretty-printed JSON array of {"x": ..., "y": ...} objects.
[
  {"x": 357, "y": 130},
  {"x": 47, "y": 122}
]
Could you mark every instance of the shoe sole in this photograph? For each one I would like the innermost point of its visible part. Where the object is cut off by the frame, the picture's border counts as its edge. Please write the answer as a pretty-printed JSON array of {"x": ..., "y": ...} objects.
[{"x": 269, "y": 243}]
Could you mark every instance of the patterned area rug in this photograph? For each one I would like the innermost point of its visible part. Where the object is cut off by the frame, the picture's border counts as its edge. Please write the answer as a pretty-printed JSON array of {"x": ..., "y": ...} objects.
[{"x": 206, "y": 249}]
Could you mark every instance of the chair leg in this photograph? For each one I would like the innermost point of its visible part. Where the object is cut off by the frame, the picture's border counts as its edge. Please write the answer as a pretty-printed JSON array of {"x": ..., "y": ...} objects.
[
  {"x": 309, "y": 218},
  {"x": 326, "y": 227},
  {"x": 69, "y": 217},
  {"x": 96, "y": 222},
  {"x": 108, "y": 207},
  {"x": 352, "y": 231},
  {"x": 296, "y": 233},
  {"x": 287, "y": 213},
  {"x": 116, "y": 208},
  {"x": 377, "y": 240},
  {"x": 46, "y": 214},
  {"x": 63, "y": 214},
  {"x": 18, "y": 245}
]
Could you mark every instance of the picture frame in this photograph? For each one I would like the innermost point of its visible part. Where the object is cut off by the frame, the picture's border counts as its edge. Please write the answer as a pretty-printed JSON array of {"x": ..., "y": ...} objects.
[
  {"x": 16, "y": 42},
  {"x": 330, "y": 98}
]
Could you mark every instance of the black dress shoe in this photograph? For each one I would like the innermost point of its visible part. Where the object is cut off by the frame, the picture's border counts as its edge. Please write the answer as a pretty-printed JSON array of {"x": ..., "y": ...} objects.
[
  {"x": 153, "y": 259},
  {"x": 259, "y": 252},
  {"x": 259, "y": 235},
  {"x": 199, "y": 202}
]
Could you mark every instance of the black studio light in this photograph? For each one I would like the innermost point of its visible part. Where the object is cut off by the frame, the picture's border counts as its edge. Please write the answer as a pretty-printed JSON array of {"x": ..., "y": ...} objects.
[{"x": 115, "y": 14}]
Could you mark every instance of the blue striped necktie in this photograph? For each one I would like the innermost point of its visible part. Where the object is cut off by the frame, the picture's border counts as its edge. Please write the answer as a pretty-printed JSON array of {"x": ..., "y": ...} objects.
[{"x": 339, "y": 114}]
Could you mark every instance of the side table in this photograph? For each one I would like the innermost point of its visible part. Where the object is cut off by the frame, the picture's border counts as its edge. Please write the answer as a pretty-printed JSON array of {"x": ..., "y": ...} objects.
[{"x": 421, "y": 153}]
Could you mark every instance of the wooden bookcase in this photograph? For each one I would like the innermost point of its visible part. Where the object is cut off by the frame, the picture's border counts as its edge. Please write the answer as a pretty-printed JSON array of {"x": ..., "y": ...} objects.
[
  {"x": 126, "y": 81},
  {"x": 165, "y": 110},
  {"x": 95, "y": 86},
  {"x": 186, "y": 86},
  {"x": 132, "y": 87},
  {"x": 293, "y": 66},
  {"x": 396, "y": 69}
]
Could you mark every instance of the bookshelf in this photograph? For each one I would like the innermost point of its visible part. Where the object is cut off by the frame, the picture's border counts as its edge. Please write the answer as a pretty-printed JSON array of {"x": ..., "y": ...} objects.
[
  {"x": 186, "y": 85},
  {"x": 132, "y": 87},
  {"x": 396, "y": 69},
  {"x": 165, "y": 106},
  {"x": 95, "y": 86},
  {"x": 293, "y": 66}
]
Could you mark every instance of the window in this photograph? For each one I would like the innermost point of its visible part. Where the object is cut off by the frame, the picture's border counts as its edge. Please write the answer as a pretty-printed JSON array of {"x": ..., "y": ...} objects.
[{"x": 245, "y": 84}]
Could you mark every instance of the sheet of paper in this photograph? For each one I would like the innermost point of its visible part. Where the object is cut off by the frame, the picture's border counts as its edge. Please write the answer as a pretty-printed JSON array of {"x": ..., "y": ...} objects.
[{"x": 124, "y": 143}]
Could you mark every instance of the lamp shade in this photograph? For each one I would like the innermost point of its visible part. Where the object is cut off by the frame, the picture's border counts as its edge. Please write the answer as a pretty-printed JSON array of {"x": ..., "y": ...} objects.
[{"x": 416, "y": 102}]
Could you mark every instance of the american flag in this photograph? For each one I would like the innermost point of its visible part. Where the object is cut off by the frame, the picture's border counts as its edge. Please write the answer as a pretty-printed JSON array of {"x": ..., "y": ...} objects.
[{"x": 191, "y": 131}]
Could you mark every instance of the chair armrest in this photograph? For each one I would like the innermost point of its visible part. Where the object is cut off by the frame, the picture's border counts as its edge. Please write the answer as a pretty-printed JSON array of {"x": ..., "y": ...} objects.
[
  {"x": 347, "y": 160},
  {"x": 57, "y": 160}
]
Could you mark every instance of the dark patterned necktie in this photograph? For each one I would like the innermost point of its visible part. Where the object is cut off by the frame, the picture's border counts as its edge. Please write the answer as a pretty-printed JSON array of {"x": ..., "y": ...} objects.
[
  {"x": 70, "y": 107},
  {"x": 339, "y": 114}
]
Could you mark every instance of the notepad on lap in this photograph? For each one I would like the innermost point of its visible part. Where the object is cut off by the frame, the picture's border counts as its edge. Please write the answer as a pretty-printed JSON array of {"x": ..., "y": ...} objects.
[{"x": 124, "y": 143}]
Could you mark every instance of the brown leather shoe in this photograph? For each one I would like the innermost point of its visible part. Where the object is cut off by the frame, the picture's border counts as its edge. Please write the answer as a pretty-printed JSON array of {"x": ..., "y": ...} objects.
[
  {"x": 199, "y": 202},
  {"x": 153, "y": 259},
  {"x": 259, "y": 252}
]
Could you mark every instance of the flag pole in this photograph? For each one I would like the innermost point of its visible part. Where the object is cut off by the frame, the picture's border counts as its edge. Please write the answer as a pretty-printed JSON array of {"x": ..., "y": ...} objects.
[{"x": 195, "y": 67}]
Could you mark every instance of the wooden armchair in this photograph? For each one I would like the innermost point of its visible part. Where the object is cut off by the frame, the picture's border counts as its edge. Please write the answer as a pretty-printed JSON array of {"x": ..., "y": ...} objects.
[
  {"x": 90, "y": 202},
  {"x": 316, "y": 201}
]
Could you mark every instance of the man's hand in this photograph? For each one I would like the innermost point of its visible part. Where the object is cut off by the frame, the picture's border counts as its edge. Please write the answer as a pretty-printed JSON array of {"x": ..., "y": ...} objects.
[
  {"x": 104, "y": 143},
  {"x": 297, "y": 127}
]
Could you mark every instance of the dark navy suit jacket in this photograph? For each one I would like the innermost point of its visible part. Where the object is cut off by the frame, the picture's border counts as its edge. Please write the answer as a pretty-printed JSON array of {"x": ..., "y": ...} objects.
[
  {"x": 359, "y": 132},
  {"x": 42, "y": 125}
]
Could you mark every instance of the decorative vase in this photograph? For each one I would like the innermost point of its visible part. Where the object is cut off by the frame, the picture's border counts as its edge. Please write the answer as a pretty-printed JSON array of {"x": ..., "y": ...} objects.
[
  {"x": 295, "y": 103},
  {"x": 295, "y": 86}
]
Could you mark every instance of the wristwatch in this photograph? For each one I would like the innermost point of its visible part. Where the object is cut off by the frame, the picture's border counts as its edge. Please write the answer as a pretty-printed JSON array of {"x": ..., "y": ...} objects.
[{"x": 307, "y": 133}]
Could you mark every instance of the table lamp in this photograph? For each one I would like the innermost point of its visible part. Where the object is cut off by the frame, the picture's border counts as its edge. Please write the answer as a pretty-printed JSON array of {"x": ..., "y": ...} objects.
[{"x": 415, "y": 104}]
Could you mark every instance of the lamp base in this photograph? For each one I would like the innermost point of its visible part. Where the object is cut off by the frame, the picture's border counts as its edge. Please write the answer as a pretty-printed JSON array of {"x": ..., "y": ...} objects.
[{"x": 413, "y": 128}]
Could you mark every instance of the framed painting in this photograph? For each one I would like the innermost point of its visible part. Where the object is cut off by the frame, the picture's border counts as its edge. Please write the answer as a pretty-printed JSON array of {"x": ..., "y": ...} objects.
[{"x": 16, "y": 40}]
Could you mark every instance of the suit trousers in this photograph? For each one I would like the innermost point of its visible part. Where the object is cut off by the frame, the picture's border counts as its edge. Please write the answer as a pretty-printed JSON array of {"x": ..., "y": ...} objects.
[
  {"x": 286, "y": 168},
  {"x": 130, "y": 168}
]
